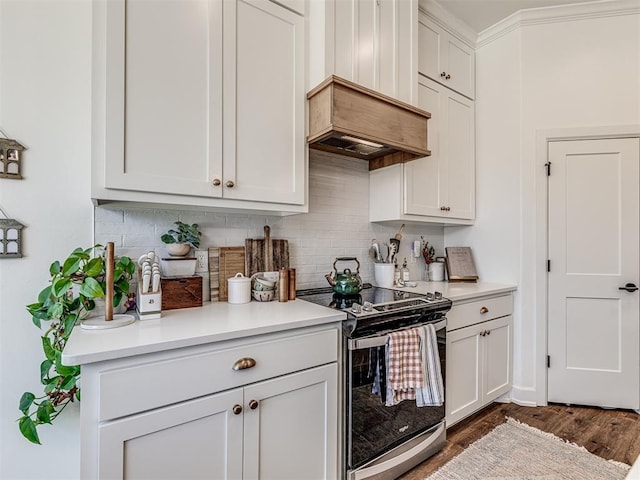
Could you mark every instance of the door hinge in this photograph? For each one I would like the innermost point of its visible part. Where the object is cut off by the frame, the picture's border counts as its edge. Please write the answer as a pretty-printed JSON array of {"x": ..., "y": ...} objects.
[
  {"x": 548, "y": 361},
  {"x": 548, "y": 165},
  {"x": 548, "y": 265}
]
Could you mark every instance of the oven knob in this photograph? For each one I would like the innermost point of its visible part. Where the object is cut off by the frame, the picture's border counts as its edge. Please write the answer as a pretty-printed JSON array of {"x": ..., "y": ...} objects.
[
  {"x": 356, "y": 308},
  {"x": 367, "y": 307},
  {"x": 438, "y": 295},
  {"x": 430, "y": 296}
]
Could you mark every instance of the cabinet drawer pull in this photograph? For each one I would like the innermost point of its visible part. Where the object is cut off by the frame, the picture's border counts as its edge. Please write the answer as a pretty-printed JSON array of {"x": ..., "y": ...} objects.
[
  {"x": 237, "y": 409},
  {"x": 253, "y": 404},
  {"x": 244, "y": 363},
  {"x": 484, "y": 310}
]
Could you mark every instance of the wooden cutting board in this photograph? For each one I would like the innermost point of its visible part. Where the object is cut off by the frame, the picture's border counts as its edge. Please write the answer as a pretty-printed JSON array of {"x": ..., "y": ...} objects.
[
  {"x": 254, "y": 255},
  {"x": 224, "y": 262},
  {"x": 231, "y": 261}
]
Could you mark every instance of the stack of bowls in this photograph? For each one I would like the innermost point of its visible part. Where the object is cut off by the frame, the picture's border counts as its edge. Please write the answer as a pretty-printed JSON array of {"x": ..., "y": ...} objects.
[{"x": 263, "y": 290}]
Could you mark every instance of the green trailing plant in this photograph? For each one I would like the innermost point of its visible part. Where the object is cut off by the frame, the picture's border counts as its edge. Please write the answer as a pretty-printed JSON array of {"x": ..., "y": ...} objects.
[
  {"x": 70, "y": 295},
  {"x": 184, "y": 234}
]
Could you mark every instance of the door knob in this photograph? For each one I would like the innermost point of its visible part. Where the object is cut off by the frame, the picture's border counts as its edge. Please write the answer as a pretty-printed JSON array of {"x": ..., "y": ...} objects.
[{"x": 629, "y": 287}]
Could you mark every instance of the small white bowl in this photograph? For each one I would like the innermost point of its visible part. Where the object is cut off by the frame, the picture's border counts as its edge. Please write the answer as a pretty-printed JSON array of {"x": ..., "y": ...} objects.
[{"x": 263, "y": 295}]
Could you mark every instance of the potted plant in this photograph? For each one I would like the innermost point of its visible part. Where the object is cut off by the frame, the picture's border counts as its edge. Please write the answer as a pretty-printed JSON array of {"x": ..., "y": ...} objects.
[
  {"x": 180, "y": 241},
  {"x": 70, "y": 295}
]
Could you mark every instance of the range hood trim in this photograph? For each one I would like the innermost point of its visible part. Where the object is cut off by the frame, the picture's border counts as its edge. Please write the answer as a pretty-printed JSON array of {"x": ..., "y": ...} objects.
[{"x": 338, "y": 107}]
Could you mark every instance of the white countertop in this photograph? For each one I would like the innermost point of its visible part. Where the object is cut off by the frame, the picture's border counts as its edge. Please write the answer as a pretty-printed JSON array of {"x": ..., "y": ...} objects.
[
  {"x": 458, "y": 291},
  {"x": 218, "y": 321},
  {"x": 213, "y": 322}
]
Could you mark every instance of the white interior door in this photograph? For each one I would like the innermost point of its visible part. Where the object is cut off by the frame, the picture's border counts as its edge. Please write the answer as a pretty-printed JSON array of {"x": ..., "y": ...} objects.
[{"x": 593, "y": 334}]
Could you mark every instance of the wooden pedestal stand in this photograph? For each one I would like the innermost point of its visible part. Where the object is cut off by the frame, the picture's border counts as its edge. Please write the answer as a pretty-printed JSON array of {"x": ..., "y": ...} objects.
[{"x": 110, "y": 320}]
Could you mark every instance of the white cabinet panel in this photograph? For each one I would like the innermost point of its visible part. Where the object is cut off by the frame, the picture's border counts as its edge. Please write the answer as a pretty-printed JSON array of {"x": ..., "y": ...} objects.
[
  {"x": 292, "y": 433},
  {"x": 197, "y": 439},
  {"x": 369, "y": 42},
  {"x": 439, "y": 188},
  {"x": 264, "y": 139},
  {"x": 444, "y": 58}
]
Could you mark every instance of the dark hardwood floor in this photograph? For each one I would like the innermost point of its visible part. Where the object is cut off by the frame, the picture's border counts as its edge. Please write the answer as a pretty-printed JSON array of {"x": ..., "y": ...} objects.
[{"x": 610, "y": 434}]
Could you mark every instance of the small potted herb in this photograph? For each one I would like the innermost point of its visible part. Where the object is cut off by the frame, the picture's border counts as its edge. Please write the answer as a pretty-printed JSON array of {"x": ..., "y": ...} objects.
[{"x": 180, "y": 240}]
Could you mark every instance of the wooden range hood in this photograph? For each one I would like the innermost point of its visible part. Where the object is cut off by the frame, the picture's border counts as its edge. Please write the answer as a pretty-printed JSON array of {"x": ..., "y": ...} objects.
[{"x": 348, "y": 119}]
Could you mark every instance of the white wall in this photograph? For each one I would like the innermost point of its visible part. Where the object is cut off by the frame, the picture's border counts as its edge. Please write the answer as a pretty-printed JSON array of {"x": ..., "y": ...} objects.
[
  {"x": 45, "y": 105},
  {"x": 574, "y": 73},
  {"x": 45, "y": 60}
]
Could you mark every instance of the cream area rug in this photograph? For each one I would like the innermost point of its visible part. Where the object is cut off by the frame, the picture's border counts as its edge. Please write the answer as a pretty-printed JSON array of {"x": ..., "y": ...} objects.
[{"x": 516, "y": 451}]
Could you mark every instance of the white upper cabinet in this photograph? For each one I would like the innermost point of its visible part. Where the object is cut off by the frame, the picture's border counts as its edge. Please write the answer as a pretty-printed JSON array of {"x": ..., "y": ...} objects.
[
  {"x": 199, "y": 102},
  {"x": 439, "y": 188},
  {"x": 445, "y": 58},
  {"x": 369, "y": 42}
]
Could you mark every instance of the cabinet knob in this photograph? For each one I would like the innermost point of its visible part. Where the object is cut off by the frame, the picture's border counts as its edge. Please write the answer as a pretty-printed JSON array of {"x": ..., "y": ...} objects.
[
  {"x": 216, "y": 182},
  {"x": 488, "y": 332},
  {"x": 244, "y": 363},
  {"x": 237, "y": 409},
  {"x": 230, "y": 184},
  {"x": 253, "y": 404},
  {"x": 443, "y": 74},
  {"x": 484, "y": 310},
  {"x": 443, "y": 208},
  {"x": 447, "y": 77}
]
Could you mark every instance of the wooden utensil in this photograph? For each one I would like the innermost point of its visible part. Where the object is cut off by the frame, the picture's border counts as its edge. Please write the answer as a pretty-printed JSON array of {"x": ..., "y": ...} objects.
[
  {"x": 268, "y": 250},
  {"x": 399, "y": 234}
]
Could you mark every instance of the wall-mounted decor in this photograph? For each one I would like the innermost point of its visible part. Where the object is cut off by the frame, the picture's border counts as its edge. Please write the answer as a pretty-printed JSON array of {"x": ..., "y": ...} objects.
[
  {"x": 10, "y": 237},
  {"x": 10, "y": 158}
]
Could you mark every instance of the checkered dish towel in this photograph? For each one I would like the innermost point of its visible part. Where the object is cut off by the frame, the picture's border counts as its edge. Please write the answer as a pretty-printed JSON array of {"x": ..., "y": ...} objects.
[{"x": 404, "y": 366}]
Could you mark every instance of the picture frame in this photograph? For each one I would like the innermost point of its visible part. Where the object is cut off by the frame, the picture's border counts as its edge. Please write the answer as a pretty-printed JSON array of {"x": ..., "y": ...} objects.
[{"x": 460, "y": 264}]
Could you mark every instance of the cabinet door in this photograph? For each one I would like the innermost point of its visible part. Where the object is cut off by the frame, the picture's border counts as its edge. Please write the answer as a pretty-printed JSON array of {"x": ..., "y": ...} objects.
[
  {"x": 444, "y": 58},
  {"x": 264, "y": 102},
  {"x": 458, "y": 151},
  {"x": 163, "y": 96},
  {"x": 497, "y": 358},
  {"x": 292, "y": 431},
  {"x": 464, "y": 373},
  {"x": 443, "y": 184},
  {"x": 197, "y": 439}
]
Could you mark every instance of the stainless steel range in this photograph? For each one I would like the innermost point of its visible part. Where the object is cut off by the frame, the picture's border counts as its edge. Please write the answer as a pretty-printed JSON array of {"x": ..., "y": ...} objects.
[{"x": 382, "y": 442}]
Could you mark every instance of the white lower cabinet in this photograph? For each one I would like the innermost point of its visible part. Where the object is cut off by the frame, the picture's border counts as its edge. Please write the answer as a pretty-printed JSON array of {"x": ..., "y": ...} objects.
[
  {"x": 285, "y": 427},
  {"x": 479, "y": 355}
]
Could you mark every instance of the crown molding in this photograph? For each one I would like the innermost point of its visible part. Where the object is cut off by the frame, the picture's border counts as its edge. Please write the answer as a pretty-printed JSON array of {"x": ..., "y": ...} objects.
[
  {"x": 448, "y": 22},
  {"x": 562, "y": 13}
]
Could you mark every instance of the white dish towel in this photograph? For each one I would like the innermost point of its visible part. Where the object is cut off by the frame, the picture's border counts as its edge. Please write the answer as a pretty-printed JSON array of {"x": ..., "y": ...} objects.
[{"x": 432, "y": 392}]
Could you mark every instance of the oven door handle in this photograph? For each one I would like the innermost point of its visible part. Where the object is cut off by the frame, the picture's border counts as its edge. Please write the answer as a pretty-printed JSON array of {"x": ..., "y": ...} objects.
[{"x": 380, "y": 340}]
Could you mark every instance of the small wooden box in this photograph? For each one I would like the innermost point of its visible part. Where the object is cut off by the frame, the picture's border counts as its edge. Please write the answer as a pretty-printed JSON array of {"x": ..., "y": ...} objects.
[{"x": 181, "y": 292}]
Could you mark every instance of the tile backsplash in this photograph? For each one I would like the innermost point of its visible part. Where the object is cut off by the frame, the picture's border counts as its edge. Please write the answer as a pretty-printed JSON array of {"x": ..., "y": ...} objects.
[{"x": 337, "y": 225}]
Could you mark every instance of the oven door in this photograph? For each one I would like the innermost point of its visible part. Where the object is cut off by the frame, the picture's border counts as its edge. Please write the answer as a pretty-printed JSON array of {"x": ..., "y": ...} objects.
[{"x": 373, "y": 429}]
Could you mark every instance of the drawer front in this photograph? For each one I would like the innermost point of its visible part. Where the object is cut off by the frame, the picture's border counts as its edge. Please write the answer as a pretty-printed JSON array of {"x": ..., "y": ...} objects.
[
  {"x": 158, "y": 382},
  {"x": 481, "y": 310}
]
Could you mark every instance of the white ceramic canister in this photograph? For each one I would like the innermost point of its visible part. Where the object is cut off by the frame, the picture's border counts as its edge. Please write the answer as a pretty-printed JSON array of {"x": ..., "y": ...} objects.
[{"x": 239, "y": 290}]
